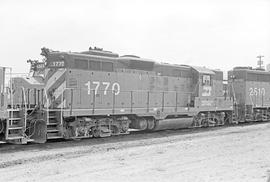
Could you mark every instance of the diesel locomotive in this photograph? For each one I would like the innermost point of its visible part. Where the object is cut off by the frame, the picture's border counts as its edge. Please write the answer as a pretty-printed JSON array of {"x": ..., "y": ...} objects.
[
  {"x": 251, "y": 89},
  {"x": 97, "y": 93},
  {"x": 20, "y": 98}
]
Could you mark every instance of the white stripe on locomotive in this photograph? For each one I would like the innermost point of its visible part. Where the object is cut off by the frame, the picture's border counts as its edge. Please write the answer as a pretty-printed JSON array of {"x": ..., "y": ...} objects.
[
  {"x": 62, "y": 105},
  {"x": 56, "y": 76},
  {"x": 59, "y": 91},
  {"x": 53, "y": 79}
]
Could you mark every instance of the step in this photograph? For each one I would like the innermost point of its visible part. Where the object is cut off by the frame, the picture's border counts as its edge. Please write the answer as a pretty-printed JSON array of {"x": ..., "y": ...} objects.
[
  {"x": 52, "y": 117},
  {"x": 13, "y": 119},
  {"x": 52, "y": 130},
  {"x": 13, "y": 110},
  {"x": 30, "y": 140},
  {"x": 54, "y": 136},
  {"x": 81, "y": 137},
  {"x": 14, "y": 137},
  {"x": 15, "y": 127},
  {"x": 51, "y": 124}
]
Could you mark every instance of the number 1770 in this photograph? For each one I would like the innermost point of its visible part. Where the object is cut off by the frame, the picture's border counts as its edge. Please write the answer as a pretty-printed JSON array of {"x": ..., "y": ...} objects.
[{"x": 103, "y": 87}]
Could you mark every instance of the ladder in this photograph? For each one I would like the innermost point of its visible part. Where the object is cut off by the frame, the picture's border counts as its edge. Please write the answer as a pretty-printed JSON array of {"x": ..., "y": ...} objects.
[
  {"x": 15, "y": 126},
  {"x": 16, "y": 117},
  {"x": 54, "y": 130}
]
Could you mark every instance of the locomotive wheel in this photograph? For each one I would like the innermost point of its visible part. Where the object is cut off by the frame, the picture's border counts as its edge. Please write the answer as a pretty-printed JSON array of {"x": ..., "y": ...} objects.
[
  {"x": 115, "y": 130},
  {"x": 125, "y": 128},
  {"x": 204, "y": 123},
  {"x": 150, "y": 124},
  {"x": 143, "y": 124},
  {"x": 258, "y": 117},
  {"x": 96, "y": 133}
]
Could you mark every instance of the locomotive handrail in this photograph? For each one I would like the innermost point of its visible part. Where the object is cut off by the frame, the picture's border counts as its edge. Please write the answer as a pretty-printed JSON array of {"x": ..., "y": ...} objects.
[
  {"x": 161, "y": 106},
  {"x": 11, "y": 99},
  {"x": 25, "y": 107},
  {"x": 47, "y": 107},
  {"x": 131, "y": 107},
  {"x": 234, "y": 97},
  {"x": 62, "y": 101}
]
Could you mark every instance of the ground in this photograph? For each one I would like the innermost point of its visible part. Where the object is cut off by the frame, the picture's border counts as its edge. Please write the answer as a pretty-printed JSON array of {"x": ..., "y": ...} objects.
[{"x": 239, "y": 153}]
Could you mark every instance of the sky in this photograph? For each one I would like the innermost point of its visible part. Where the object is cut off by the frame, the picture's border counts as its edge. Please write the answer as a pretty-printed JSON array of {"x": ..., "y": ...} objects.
[{"x": 218, "y": 34}]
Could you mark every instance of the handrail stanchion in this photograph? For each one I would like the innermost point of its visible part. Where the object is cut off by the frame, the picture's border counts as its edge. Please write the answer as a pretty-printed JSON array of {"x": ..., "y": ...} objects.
[
  {"x": 113, "y": 109},
  {"x": 47, "y": 106},
  {"x": 25, "y": 108},
  {"x": 163, "y": 94},
  {"x": 176, "y": 101},
  {"x": 62, "y": 105},
  {"x": 11, "y": 102},
  {"x": 28, "y": 98},
  {"x": 71, "y": 102},
  {"x": 148, "y": 101},
  {"x": 131, "y": 101},
  {"x": 35, "y": 96},
  {"x": 94, "y": 101}
]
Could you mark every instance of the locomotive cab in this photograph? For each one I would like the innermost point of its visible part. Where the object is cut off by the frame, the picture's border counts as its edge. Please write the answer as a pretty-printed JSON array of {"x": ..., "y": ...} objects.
[
  {"x": 209, "y": 98},
  {"x": 208, "y": 89},
  {"x": 203, "y": 79}
]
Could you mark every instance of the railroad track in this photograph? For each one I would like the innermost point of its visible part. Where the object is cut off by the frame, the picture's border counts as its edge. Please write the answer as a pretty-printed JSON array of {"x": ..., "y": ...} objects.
[
  {"x": 13, "y": 155},
  {"x": 134, "y": 135}
]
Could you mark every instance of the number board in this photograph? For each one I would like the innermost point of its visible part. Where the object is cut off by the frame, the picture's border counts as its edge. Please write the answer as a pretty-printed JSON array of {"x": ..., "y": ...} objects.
[
  {"x": 56, "y": 64},
  {"x": 40, "y": 66},
  {"x": 103, "y": 87},
  {"x": 256, "y": 91}
]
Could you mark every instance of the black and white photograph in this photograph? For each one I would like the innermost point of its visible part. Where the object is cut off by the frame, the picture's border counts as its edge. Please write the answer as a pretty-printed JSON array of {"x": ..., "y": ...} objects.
[{"x": 135, "y": 91}]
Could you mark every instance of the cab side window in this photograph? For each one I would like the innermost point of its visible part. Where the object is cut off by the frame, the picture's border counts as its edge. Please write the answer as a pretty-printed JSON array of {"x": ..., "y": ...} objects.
[
  {"x": 81, "y": 63},
  {"x": 206, "y": 80},
  {"x": 94, "y": 65}
]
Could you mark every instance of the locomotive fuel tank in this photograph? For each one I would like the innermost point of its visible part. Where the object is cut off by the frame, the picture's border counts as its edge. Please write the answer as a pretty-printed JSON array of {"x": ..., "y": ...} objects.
[{"x": 173, "y": 123}]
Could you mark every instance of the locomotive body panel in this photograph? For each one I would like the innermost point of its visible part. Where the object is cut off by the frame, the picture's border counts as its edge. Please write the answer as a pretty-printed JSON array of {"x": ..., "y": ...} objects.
[
  {"x": 27, "y": 90},
  {"x": 125, "y": 92},
  {"x": 86, "y": 88},
  {"x": 251, "y": 87},
  {"x": 257, "y": 93}
]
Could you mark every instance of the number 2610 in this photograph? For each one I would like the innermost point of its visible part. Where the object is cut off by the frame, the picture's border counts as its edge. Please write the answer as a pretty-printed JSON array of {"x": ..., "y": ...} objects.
[{"x": 257, "y": 91}]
